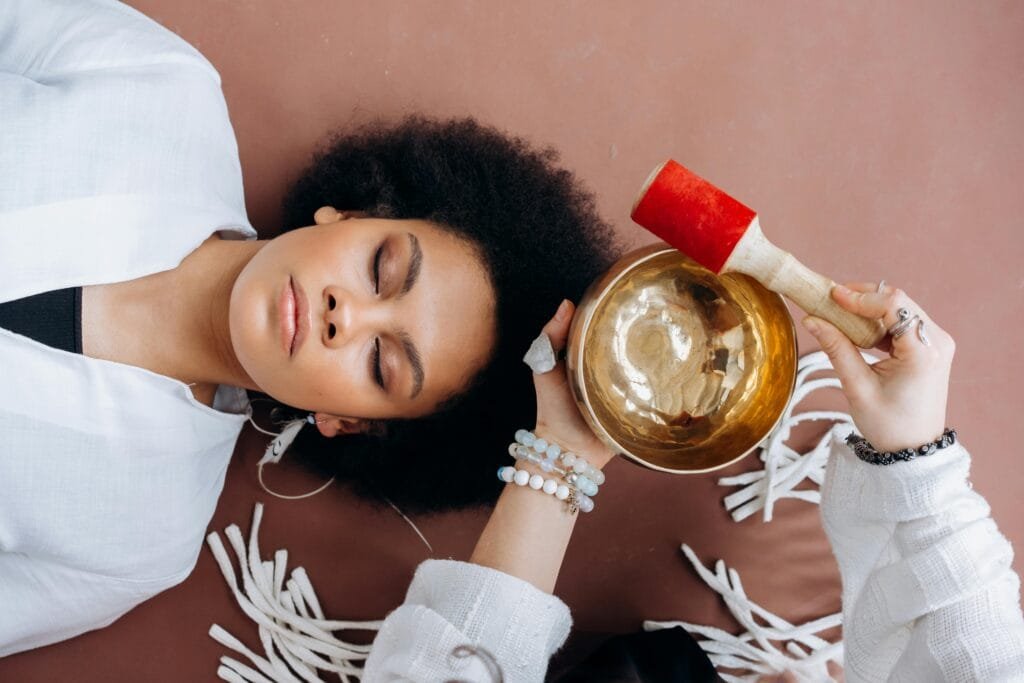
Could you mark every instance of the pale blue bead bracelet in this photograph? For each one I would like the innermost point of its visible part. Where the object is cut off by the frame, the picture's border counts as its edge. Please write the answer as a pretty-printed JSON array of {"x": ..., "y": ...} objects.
[
  {"x": 550, "y": 457},
  {"x": 580, "y": 479}
]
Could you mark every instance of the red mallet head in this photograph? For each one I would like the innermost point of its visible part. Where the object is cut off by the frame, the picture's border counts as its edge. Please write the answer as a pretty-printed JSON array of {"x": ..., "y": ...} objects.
[
  {"x": 692, "y": 215},
  {"x": 721, "y": 234}
]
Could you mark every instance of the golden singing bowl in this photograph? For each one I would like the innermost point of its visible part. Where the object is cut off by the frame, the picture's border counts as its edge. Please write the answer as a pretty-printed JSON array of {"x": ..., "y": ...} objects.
[{"x": 677, "y": 368}]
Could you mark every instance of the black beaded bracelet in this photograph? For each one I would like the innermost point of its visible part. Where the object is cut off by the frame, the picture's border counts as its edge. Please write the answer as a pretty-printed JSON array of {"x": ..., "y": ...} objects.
[{"x": 866, "y": 452}]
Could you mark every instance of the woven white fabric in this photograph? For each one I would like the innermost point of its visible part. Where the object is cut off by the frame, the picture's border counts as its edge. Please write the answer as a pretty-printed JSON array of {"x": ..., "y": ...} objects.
[
  {"x": 457, "y": 603},
  {"x": 928, "y": 590}
]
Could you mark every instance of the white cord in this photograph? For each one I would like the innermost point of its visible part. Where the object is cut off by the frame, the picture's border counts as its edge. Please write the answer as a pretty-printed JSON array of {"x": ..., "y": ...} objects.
[
  {"x": 753, "y": 653},
  {"x": 297, "y": 639},
  {"x": 784, "y": 468}
]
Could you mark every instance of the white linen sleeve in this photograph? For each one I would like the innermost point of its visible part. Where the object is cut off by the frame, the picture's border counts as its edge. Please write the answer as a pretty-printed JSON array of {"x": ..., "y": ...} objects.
[
  {"x": 928, "y": 588},
  {"x": 45, "y": 40},
  {"x": 43, "y": 602},
  {"x": 451, "y": 604}
]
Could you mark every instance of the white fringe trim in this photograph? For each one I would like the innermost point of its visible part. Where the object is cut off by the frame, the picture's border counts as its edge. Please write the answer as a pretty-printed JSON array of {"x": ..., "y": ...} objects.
[
  {"x": 752, "y": 654},
  {"x": 297, "y": 640},
  {"x": 785, "y": 468}
]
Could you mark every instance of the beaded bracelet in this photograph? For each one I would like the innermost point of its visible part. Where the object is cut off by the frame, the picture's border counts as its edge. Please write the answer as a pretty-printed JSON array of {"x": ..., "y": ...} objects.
[
  {"x": 550, "y": 457},
  {"x": 576, "y": 499},
  {"x": 866, "y": 452},
  {"x": 580, "y": 479}
]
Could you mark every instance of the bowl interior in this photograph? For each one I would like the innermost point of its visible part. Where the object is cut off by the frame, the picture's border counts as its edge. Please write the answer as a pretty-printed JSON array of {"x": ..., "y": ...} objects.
[{"x": 677, "y": 368}]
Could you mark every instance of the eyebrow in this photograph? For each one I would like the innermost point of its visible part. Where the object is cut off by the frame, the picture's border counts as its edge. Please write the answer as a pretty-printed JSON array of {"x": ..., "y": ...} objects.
[
  {"x": 415, "y": 261},
  {"x": 414, "y": 360}
]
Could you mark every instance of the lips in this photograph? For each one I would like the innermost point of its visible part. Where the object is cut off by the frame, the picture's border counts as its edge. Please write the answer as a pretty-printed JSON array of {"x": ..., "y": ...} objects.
[{"x": 293, "y": 309}]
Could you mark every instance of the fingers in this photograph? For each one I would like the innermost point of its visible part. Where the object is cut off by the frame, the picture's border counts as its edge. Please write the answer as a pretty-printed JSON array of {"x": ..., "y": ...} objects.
[
  {"x": 868, "y": 302},
  {"x": 557, "y": 328},
  {"x": 927, "y": 342},
  {"x": 854, "y": 373}
]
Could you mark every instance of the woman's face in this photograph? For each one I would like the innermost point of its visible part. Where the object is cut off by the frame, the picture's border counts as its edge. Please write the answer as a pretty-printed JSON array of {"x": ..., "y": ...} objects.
[{"x": 363, "y": 317}]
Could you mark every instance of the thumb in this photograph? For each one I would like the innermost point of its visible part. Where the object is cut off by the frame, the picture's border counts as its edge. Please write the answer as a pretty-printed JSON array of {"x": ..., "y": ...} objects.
[
  {"x": 853, "y": 370},
  {"x": 557, "y": 331}
]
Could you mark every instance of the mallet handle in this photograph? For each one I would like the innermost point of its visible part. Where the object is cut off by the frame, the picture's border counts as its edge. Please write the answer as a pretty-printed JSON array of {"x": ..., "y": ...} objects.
[{"x": 780, "y": 271}]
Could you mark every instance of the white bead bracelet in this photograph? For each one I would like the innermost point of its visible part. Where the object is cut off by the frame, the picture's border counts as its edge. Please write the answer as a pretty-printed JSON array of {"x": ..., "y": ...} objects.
[{"x": 552, "y": 487}]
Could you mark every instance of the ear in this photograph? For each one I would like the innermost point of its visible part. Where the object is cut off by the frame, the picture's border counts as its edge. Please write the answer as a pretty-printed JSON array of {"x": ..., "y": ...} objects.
[
  {"x": 333, "y": 425},
  {"x": 329, "y": 214}
]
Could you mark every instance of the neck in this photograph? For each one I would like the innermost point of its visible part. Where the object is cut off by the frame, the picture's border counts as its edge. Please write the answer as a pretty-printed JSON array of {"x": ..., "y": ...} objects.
[{"x": 193, "y": 307}]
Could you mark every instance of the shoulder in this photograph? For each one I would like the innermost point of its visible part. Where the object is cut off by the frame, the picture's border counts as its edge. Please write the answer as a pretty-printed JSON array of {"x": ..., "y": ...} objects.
[{"x": 57, "y": 38}]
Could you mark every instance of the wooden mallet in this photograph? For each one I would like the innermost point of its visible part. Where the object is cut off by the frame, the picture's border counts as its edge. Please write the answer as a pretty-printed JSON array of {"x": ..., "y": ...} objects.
[{"x": 723, "y": 235}]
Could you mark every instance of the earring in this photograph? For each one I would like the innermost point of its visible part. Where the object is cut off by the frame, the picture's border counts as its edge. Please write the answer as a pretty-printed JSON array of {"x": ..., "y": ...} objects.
[{"x": 277, "y": 447}]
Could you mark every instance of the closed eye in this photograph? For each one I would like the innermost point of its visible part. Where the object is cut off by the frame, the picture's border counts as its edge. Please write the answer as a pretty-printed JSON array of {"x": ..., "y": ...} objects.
[
  {"x": 378, "y": 374},
  {"x": 376, "y": 269}
]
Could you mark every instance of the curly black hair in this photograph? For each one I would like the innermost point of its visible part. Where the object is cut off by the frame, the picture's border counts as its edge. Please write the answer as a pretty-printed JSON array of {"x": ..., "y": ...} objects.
[{"x": 541, "y": 240}]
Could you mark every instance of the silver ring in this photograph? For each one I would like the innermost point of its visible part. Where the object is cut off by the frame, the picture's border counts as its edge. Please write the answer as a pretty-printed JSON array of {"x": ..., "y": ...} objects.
[
  {"x": 921, "y": 335},
  {"x": 904, "y": 321}
]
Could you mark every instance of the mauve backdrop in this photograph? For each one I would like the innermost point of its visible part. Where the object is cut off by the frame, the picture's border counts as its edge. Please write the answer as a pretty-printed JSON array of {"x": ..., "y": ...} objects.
[{"x": 876, "y": 140}]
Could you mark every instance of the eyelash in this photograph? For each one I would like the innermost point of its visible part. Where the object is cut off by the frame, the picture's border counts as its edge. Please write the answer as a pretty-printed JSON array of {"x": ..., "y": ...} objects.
[
  {"x": 378, "y": 374},
  {"x": 376, "y": 269}
]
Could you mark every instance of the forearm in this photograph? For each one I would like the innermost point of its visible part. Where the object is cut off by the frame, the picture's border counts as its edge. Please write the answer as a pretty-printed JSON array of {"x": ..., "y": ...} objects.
[
  {"x": 927, "y": 581},
  {"x": 500, "y": 601},
  {"x": 526, "y": 536}
]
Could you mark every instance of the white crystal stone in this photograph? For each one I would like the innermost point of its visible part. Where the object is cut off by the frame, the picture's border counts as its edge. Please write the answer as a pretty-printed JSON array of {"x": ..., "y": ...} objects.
[
  {"x": 506, "y": 474},
  {"x": 536, "y": 481},
  {"x": 554, "y": 450},
  {"x": 540, "y": 445},
  {"x": 528, "y": 438},
  {"x": 597, "y": 476},
  {"x": 562, "y": 492},
  {"x": 513, "y": 448},
  {"x": 522, "y": 477},
  {"x": 586, "y": 504},
  {"x": 550, "y": 486},
  {"x": 541, "y": 355},
  {"x": 568, "y": 459},
  {"x": 580, "y": 466}
]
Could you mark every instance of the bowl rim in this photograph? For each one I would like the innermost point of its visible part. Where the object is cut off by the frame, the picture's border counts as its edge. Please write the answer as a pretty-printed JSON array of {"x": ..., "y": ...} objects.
[{"x": 584, "y": 403}]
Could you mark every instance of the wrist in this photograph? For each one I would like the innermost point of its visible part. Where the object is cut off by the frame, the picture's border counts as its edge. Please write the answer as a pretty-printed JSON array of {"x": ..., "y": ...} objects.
[
  {"x": 911, "y": 438},
  {"x": 869, "y": 453},
  {"x": 547, "y": 467},
  {"x": 589, "y": 447}
]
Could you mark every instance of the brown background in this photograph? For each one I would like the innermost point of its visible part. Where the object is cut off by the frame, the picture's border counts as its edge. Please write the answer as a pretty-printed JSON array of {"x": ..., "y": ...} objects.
[{"x": 875, "y": 140}]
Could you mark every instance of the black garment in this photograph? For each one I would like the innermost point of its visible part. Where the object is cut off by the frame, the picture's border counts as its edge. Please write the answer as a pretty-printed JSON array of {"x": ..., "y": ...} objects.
[
  {"x": 668, "y": 655},
  {"x": 51, "y": 318}
]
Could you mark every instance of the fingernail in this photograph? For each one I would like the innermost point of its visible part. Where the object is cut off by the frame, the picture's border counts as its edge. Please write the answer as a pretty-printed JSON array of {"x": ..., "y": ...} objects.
[
  {"x": 563, "y": 310},
  {"x": 811, "y": 325},
  {"x": 843, "y": 289}
]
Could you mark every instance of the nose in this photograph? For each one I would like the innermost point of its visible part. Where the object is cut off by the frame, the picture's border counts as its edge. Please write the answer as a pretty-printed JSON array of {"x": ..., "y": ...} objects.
[{"x": 343, "y": 315}]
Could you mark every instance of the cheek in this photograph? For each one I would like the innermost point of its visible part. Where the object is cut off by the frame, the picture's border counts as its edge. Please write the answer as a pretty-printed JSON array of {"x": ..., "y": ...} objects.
[{"x": 320, "y": 386}]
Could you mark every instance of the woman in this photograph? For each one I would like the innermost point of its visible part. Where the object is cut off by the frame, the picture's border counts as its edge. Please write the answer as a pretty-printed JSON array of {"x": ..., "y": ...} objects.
[
  {"x": 928, "y": 590},
  {"x": 136, "y": 307}
]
